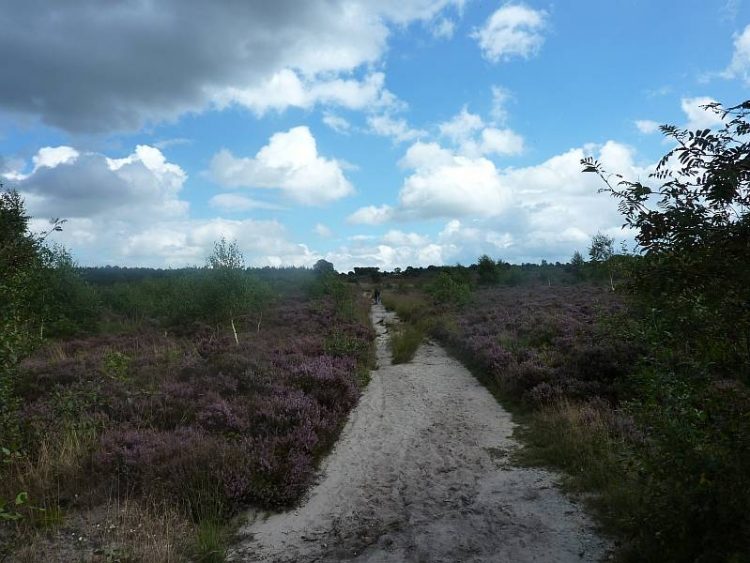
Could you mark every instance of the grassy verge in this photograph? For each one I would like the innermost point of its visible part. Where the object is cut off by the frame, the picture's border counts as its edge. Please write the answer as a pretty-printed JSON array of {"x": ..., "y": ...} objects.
[{"x": 414, "y": 312}]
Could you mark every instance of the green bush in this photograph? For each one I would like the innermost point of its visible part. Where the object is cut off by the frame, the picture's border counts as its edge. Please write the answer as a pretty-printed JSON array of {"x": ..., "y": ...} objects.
[{"x": 450, "y": 288}]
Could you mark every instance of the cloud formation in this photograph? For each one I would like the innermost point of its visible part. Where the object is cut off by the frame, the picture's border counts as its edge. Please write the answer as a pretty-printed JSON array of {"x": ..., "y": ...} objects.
[
  {"x": 647, "y": 126},
  {"x": 739, "y": 67},
  {"x": 444, "y": 184},
  {"x": 697, "y": 116},
  {"x": 371, "y": 215},
  {"x": 289, "y": 162},
  {"x": 473, "y": 137},
  {"x": 513, "y": 30},
  {"x": 67, "y": 183},
  {"x": 87, "y": 69}
]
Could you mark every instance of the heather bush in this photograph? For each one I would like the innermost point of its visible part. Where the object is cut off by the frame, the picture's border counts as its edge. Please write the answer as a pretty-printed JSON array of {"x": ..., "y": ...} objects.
[
  {"x": 199, "y": 421},
  {"x": 537, "y": 342}
]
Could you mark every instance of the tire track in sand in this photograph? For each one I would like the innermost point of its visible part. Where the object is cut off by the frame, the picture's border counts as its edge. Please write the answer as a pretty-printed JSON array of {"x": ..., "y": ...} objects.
[{"x": 421, "y": 474}]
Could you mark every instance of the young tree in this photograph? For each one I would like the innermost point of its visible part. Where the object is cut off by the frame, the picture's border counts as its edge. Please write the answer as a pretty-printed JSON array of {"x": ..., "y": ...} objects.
[
  {"x": 694, "y": 232},
  {"x": 487, "y": 270},
  {"x": 232, "y": 291},
  {"x": 601, "y": 252},
  {"x": 602, "y": 247},
  {"x": 577, "y": 265},
  {"x": 323, "y": 267},
  {"x": 21, "y": 284},
  {"x": 226, "y": 256}
]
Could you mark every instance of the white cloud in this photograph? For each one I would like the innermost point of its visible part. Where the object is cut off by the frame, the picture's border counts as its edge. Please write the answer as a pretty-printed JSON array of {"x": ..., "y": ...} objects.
[
  {"x": 236, "y": 203},
  {"x": 514, "y": 30},
  {"x": 289, "y": 162},
  {"x": 371, "y": 215},
  {"x": 287, "y": 89},
  {"x": 337, "y": 123},
  {"x": 189, "y": 243},
  {"x": 699, "y": 118},
  {"x": 473, "y": 138},
  {"x": 443, "y": 28},
  {"x": 400, "y": 238},
  {"x": 522, "y": 214},
  {"x": 52, "y": 156},
  {"x": 322, "y": 231},
  {"x": 128, "y": 211},
  {"x": 647, "y": 126},
  {"x": 739, "y": 67},
  {"x": 394, "y": 250},
  {"x": 67, "y": 183},
  {"x": 500, "y": 98},
  {"x": 396, "y": 128},
  {"x": 462, "y": 126},
  {"x": 447, "y": 185},
  {"x": 501, "y": 142}
]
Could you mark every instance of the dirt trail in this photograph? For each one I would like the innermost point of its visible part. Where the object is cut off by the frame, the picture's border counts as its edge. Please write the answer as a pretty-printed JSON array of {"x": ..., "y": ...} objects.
[{"x": 421, "y": 474}]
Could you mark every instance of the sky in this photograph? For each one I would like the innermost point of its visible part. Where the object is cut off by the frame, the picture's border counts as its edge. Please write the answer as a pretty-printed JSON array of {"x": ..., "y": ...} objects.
[{"x": 367, "y": 133}]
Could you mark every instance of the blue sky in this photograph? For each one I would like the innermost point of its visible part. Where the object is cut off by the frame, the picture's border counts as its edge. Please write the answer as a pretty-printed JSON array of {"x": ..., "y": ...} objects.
[{"x": 367, "y": 133}]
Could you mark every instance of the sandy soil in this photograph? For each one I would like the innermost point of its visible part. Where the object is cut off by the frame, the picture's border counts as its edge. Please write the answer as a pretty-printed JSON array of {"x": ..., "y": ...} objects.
[{"x": 421, "y": 473}]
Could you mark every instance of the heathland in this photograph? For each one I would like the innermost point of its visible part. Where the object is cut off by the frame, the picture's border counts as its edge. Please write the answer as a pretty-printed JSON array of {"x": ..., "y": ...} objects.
[{"x": 143, "y": 412}]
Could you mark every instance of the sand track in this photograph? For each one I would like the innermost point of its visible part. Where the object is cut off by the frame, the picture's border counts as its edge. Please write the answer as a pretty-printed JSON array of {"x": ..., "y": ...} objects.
[{"x": 421, "y": 473}]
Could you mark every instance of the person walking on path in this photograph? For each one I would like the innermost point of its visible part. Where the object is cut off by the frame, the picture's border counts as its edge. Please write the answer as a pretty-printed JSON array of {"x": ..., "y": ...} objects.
[{"x": 377, "y": 296}]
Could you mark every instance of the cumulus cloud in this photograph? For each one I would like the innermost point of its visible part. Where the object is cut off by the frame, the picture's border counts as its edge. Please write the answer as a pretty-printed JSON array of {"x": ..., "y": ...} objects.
[
  {"x": 396, "y": 128},
  {"x": 647, "y": 126},
  {"x": 286, "y": 89},
  {"x": 83, "y": 68},
  {"x": 396, "y": 249},
  {"x": 697, "y": 116},
  {"x": 67, "y": 183},
  {"x": 184, "y": 243},
  {"x": 289, "y": 162},
  {"x": 473, "y": 138},
  {"x": 371, "y": 215},
  {"x": 462, "y": 126},
  {"x": 739, "y": 67},
  {"x": 501, "y": 142},
  {"x": 129, "y": 211},
  {"x": 337, "y": 123},
  {"x": 513, "y": 30},
  {"x": 50, "y": 157},
  {"x": 547, "y": 210},
  {"x": 444, "y": 184}
]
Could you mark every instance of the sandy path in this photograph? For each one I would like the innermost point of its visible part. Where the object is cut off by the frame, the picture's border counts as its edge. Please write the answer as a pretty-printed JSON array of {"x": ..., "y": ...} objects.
[{"x": 421, "y": 473}]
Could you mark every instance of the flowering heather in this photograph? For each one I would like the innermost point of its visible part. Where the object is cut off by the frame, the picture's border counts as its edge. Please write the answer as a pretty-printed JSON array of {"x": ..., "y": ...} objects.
[
  {"x": 541, "y": 343},
  {"x": 198, "y": 420}
]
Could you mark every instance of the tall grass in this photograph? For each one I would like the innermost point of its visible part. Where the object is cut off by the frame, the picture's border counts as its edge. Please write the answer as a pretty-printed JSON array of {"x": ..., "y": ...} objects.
[
  {"x": 404, "y": 341},
  {"x": 588, "y": 441}
]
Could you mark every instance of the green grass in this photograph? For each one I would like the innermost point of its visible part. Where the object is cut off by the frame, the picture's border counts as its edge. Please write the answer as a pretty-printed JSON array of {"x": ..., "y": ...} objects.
[
  {"x": 409, "y": 306},
  {"x": 580, "y": 440},
  {"x": 211, "y": 542},
  {"x": 405, "y": 339}
]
